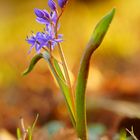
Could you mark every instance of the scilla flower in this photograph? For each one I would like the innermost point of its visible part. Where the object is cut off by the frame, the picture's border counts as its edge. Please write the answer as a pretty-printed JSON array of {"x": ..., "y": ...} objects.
[
  {"x": 40, "y": 40},
  {"x": 48, "y": 38},
  {"x": 36, "y": 41}
]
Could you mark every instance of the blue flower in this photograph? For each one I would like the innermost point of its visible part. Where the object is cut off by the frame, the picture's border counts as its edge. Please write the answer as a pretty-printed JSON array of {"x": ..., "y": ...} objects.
[
  {"x": 35, "y": 41},
  {"x": 49, "y": 38},
  {"x": 50, "y": 31},
  {"x": 44, "y": 17},
  {"x": 41, "y": 40},
  {"x": 62, "y": 3},
  {"x": 53, "y": 17}
]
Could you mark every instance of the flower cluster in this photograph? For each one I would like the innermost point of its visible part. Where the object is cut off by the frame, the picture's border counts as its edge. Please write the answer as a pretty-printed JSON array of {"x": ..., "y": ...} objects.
[{"x": 49, "y": 37}]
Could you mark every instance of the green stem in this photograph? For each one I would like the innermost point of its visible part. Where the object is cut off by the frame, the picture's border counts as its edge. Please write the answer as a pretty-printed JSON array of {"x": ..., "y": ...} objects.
[
  {"x": 67, "y": 75},
  {"x": 71, "y": 112},
  {"x": 65, "y": 67},
  {"x": 81, "y": 124},
  {"x": 62, "y": 86}
]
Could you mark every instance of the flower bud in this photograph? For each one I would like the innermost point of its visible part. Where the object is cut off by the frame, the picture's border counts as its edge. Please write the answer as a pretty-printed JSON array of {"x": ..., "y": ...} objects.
[
  {"x": 62, "y": 3},
  {"x": 52, "y": 5},
  {"x": 39, "y": 13}
]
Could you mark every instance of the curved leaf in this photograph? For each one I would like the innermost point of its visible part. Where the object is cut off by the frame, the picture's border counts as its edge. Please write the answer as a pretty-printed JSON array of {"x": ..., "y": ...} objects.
[
  {"x": 33, "y": 62},
  {"x": 96, "y": 39}
]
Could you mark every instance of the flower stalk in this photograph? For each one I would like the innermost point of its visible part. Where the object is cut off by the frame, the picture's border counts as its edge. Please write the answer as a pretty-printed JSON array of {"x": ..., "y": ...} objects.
[
  {"x": 65, "y": 67},
  {"x": 64, "y": 63}
]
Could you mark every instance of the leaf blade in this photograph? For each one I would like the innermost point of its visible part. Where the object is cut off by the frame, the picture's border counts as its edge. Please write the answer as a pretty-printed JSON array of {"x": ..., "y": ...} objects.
[
  {"x": 58, "y": 75},
  {"x": 96, "y": 39},
  {"x": 100, "y": 30},
  {"x": 33, "y": 62}
]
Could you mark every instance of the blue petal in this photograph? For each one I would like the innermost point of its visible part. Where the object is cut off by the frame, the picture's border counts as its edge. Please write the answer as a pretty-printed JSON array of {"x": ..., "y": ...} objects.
[
  {"x": 58, "y": 40},
  {"x": 38, "y": 34},
  {"x": 60, "y": 35},
  {"x": 46, "y": 13},
  {"x": 53, "y": 16},
  {"x": 31, "y": 40},
  {"x": 62, "y": 3},
  {"x": 42, "y": 21},
  {"x": 30, "y": 49},
  {"x": 38, "y": 47},
  {"x": 39, "y": 13},
  {"x": 52, "y": 5}
]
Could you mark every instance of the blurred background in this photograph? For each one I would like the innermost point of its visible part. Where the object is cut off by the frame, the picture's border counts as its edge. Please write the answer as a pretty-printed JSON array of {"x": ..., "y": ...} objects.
[{"x": 113, "y": 90}]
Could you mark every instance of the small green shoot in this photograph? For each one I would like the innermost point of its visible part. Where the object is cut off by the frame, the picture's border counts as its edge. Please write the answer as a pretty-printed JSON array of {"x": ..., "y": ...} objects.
[
  {"x": 19, "y": 135},
  {"x": 24, "y": 133}
]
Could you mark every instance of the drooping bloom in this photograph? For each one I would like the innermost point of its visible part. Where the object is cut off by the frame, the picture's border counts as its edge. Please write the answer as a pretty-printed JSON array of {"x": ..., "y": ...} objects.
[{"x": 62, "y": 3}]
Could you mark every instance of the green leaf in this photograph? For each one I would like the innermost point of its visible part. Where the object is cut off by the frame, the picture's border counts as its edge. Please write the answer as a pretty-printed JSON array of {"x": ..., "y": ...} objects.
[
  {"x": 96, "y": 39},
  {"x": 58, "y": 69},
  {"x": 100, "y": 31},
  {"x": 58, "y": 75},
  {"x": 33, "y": 62},
  {"x": 18, "y": 134},
  {"x": 31, "y": 128},
  {"x": 30, "y": 134}
]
